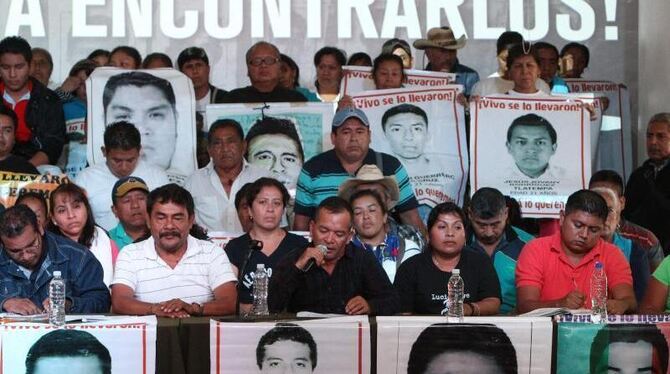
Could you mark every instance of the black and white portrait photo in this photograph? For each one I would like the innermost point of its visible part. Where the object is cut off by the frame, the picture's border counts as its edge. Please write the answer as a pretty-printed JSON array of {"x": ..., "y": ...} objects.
[
  {"x": 425, "y": 130},
  {"x": 118, "y": 345},
  {"x": 536, "y": 150},
  {"x": 319, "y": 346},
  {"x": 159, "y": 102},
  {"x": 498, "y": 345}
]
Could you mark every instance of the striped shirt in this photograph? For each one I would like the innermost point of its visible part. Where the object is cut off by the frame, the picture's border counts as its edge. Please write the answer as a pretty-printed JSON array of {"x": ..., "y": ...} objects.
[
  {"x": 323, "y": 174},
  {"x": 203, "y": 268}
]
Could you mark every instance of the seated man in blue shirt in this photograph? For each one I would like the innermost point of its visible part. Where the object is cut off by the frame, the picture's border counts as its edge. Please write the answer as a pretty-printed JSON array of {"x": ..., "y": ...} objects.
[{"x": 30, "y": 256}]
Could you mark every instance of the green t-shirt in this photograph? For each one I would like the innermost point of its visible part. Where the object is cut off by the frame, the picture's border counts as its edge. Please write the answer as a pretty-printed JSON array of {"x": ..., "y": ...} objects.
[{"x": 662, "y": 274}]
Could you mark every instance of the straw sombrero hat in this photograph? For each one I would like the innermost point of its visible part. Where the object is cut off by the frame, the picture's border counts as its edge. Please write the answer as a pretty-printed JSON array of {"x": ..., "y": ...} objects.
[{"x": 440, "y": 37}]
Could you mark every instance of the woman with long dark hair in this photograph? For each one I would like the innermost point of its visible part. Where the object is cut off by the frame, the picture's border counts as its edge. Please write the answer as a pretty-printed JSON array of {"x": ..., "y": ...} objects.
[{"x": 71, "y": 216}]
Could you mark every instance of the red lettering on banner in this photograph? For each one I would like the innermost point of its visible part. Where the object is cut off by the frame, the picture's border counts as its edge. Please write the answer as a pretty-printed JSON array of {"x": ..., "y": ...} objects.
[
  {"x": 358, "y": 74},
  {"x": 432, "y": 96},
  {"x": 483, "y": 104},
  {"x": 362, "y": 102},
  {"x": 558, "y": 107},
  {"x": 430, "y": 82}
]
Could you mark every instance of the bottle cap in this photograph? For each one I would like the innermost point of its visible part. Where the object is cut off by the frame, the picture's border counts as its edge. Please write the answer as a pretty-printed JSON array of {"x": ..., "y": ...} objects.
[
  {"x": 57, "y": 273},
  {"x": 260, "y": 266},
  {"x": 456, "y": 272}
]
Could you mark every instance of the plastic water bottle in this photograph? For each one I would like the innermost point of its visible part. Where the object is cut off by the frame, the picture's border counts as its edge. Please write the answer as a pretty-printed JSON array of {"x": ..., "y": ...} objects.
[
  {"x": 57, "y": 300},
  {"x": 260, "y": 307},
  {"x": 599, "y": 294},
  {"x": 455, "y": 297}
]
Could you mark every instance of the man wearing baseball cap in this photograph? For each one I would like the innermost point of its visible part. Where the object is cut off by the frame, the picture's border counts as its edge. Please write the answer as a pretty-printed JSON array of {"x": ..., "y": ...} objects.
[
  {"x": 129, "y": 205},
  {"x": 323, "y": 174},
  {"x": 441, "y": 48},
  {"x": 193, "y": 62}
]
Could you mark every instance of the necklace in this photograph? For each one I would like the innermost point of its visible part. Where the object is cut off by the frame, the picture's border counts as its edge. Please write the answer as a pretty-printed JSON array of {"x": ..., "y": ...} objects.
[{"x": 447, "y": 265}]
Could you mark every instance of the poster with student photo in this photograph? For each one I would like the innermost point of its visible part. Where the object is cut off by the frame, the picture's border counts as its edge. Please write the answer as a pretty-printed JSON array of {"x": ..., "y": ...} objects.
[
  {"x": 615, "y": 150},
  {"x": 357, "y": 79},
  {"x": 537, "y": 151},
  {"x": 291, "y": 133},
  {"x": 321, "y": 346},
  {"x": 425, "y": 130},
  {"x": 626, "y": 344},
  {"x": 117, "y": 346},
  {"x": 418, "y": 345},
  {"x": 159, "y": 102}
]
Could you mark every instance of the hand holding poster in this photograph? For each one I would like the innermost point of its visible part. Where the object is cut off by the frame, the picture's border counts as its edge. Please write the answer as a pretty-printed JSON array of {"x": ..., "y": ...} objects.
[
  {"x": 425, "y": 130},
  {"x": 615, "y": 150},
  {"x": 159, "y": 102},
  {"x": 356, "y": 79},
  {"x": 537, "y": 151},
  {"x": 117, "y": 345},
  {"x": 332, "y": 345}
]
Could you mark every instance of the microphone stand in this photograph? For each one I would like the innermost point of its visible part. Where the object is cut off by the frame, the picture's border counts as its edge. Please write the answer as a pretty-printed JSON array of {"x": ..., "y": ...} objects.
[{"x": 254, "y": 245}]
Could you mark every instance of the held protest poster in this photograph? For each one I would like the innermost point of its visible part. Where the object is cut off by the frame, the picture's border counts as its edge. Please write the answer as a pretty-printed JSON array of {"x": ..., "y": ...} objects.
[
  {"x": 615, "y": 144},
  {"x": 118, "y": 345},
  {"x": 537, "y": 151},
  {"x": 13, "y": 185},
  {"x": 159, "y": 102},
  {"x": 356, "y": 79},
  {"x": 425, "y": 130},
  {"x": 321, "y": 346},
  {"x": 283, "y": 146},
  {"x": 626, "y": 344},
  {"x": 479, "y": 345}
]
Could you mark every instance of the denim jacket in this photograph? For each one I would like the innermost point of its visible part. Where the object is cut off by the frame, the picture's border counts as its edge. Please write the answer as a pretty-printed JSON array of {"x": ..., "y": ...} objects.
[{"x": 79, "y": 268}]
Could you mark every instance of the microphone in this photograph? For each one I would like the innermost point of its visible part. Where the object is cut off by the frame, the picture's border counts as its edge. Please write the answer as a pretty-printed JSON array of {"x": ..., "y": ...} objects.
[
  {"x": 312, "y": 261},
  {"x": 254, "y": 245}
]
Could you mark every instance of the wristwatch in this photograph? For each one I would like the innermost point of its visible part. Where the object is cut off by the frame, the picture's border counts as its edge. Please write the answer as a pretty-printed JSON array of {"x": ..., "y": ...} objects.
[{"x": 197, "y": 309}]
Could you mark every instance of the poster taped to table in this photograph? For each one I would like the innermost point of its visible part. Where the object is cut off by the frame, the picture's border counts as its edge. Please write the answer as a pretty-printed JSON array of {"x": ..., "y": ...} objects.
[
  {"x": 493, "y": 344},
  {"x": 627, "y": 343},
  {"x": 325, "y": 346},
  {"x": 12, "y": 185},
  {"x": 357, "y": 79},
  {"x": 615, "y": 145},
  {"x": 425, "y": 130},
  {"x": 537, "y": 151},
  {"x": 124, "y": 344},
  {"x": 283, "y": 146},
  {"x": 159, "y": 102}
]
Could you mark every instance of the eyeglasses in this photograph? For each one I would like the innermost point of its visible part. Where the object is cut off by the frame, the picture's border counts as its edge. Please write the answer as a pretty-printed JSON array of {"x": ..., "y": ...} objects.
[
  {"x": 258, "y": 61},
  {"x": 34, "y": 246}
]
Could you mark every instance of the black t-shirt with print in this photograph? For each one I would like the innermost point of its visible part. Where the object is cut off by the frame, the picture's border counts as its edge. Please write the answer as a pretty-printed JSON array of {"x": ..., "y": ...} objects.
[
  {"x": 422, "y": 286},
  {"x": 237, "y": 250}
]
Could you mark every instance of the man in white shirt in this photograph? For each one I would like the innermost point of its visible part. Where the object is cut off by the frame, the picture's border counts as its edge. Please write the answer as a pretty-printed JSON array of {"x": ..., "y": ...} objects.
[
  {"x": 214, "y": 187},
  {"x": 122, "y": 158},
  {"x": 173, "y": 274}
]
